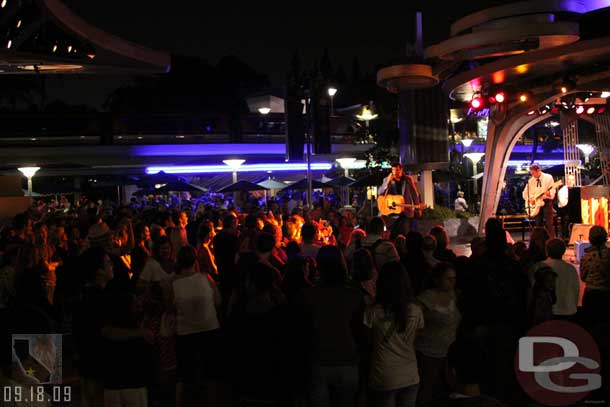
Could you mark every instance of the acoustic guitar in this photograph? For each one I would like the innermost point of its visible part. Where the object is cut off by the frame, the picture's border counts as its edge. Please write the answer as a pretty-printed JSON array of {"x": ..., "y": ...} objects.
[
  {"x": 532, "y": 210},
  {"x": 395, "y": 204}
]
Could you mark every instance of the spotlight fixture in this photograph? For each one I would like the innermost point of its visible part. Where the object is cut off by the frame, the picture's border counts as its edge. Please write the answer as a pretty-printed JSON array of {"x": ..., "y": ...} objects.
[
  {"x": 567, "y": 85},
  {"x": 19, "y": 24},
  {"x": 545, "y": 109},
  {"x": 605, "y": 94},
  {"x": 55, "y": 48},
  {"x": 477, "y": 103},
  {"x": 524, "y": 97},
  {"x": 531, "y": 112},
  {"x": 580, "y": 109},
  {"x": 601, "y": 109},
  {"x": 9, "y": 44},
  {"x": 591, "y": 110},
  {"x": 500, "y": 97}
]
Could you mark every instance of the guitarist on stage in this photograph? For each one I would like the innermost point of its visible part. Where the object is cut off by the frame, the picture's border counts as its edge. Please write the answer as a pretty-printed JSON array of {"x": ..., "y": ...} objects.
[
  {"x": 398, "y": 183},
  {"x": 541, "y": 182}
]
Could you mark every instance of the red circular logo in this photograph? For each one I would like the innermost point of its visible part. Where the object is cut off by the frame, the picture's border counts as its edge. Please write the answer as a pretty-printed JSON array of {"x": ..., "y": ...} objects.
[{"x": 558, "y": 363}]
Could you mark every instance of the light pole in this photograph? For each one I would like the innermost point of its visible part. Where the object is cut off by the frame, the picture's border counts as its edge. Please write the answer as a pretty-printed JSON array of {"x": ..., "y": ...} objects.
[
  {"x": 586, "y": 149},
  {"x": 346, "y": 164},
  {"x": 29, "y": 172},
  {"x": 234, "y": 164},
  {"x": 332, "y": 91},
  {"x": 475, "y": 158}
]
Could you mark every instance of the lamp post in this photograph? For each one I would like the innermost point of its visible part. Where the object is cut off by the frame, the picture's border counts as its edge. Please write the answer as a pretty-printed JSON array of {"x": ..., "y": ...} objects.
[
  {"x": 234, "y": 164},
  {"x": 29, "y": 172},
  {"x": 332, "y": 91},
  {"x": 475, "y": 158},
  {"x": 586, "y": 149},
  {"x": 346, "y": 164}
]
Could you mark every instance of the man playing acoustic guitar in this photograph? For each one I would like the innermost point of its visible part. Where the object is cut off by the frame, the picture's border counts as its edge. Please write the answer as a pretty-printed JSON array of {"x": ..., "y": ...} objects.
[
  {"x": 541, "y": 209},
  {"x": 401, "y": 186}
]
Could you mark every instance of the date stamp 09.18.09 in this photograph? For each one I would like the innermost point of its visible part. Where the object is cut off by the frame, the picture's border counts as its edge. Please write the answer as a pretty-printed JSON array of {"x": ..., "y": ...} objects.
[{"x": 36, "y": 374}]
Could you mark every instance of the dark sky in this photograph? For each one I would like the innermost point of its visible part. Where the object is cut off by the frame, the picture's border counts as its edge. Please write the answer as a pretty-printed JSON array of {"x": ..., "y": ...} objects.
[{"x": 265, "y": 36}]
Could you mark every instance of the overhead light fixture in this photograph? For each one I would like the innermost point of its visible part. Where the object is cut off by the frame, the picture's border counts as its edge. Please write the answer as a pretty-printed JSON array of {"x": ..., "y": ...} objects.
[
  {"x": 467, "y": 142},
  {"x": 605, "y": 94},
  {"x": 499, "y": 97},
  {"x": 211, "y": 169},
  {"x": 367, "y": 114},
  {"x": 19, "y": 24},
  {"x": 55, "y": 48},
  {"x": 234, "y": 164},
  {"x": 601, "y": 109},
  {"x": 69, "y": 48},
  {"x": 591, "y": 110},
  {"x": 476, "y": 103},
  {"x": 9, "y": 44},
  {"x": 531, "y": 112},
  {"x": 580, "y": 109},
  {"x": 545, "y": 109},
  {"x": 264, "y": 110},
  {"x": 3, "y": 4},
  {"x": 332, "y": 91}
]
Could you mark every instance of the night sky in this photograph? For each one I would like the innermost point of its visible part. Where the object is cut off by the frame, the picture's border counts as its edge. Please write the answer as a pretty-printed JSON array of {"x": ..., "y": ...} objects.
[{"x": 265, "y": 36}]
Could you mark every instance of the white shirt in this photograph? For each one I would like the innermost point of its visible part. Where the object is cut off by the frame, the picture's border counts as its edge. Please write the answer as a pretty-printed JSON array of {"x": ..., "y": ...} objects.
[
  {"x": 153, "y": 272},
  {"x": 393, "y": 360},
  {"x": 562, "y": 196},
  {"x": 460, "y": 205},
  {"x": 532, "y": 189},
  {"x": 567, "y": 287},
  {"x": 195, "y": 307}
]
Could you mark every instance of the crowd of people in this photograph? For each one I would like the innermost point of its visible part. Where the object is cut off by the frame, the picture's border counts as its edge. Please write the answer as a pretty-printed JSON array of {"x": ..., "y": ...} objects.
[{"x": 288, "y": 306}]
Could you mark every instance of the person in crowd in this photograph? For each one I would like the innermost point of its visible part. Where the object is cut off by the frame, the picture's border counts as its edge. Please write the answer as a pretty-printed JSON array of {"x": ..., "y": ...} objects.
[
  {"x": 158, "y": 267},
  {"x": 128, "y": 368},
  {"x": 400, "y": 242},
  {"x": 465, "y": 373},
  {"x": 354, "y": 243},
  {"x": 364, "y": 273},
  {"x": 415, "y": 261},
  {"x": 226, "y": 247},
  {"x": 309, "y": 245},
  {"x": 298, "y": 276},
  {"x": 393, "y": 322},
  {"x": 536, "y": 251},
  {"x": 195, "y": 297},
  {"x": 441, "y": 321},
  {"x": 375, "y": 232},
  {"x": 442, "y": 251},
  {"x": 460, "y": 204},
  {"x": 429, "y": 249},
  {"x": 334, "y": 312},
  {"x": 92, "y": 326},
  {"x": 383, "y": 252},
  {"x": 567, "y": 285},
  {"x": 205, "y": 255},
  {"x": 543, "y": 296},
  {"x": 595, "y": 273},
  {"x": 178, "y": 234}
]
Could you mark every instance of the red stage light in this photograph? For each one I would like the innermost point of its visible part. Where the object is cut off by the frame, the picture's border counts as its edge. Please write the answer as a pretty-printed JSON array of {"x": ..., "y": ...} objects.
[
  {"x": 476, "y": 103},
  {"x": 601, "y": 109},
  {"x": 580, "y": 109},
  {"x": 591, "y": 110},
  {"x": 500, "y": 97}
]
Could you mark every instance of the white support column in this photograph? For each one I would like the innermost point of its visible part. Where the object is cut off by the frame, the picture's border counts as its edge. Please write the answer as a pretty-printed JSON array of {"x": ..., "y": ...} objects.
[{"x": 426, "y": 188}]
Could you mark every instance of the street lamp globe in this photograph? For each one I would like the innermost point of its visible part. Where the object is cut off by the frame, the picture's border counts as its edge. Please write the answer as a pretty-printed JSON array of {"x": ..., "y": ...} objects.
[
  {"x": 474, "y": 157},
  {"x": 28, "y": 172},
  {"x": 234, "y": 164},
  {"x": 467, "y": 142},
  {"x": 332, "y": 91}
]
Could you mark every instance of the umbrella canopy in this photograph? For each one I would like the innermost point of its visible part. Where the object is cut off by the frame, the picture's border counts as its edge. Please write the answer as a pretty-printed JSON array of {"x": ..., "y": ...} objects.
[
  {"x": 271, "y": 184},
  {"x": 342, "y": 181},
  {"x": 242, "y": 186},
  {"x": 374, "y": 179},
  {"x": 180, "y": 186},
  {"x": 302, "y": 185}
]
